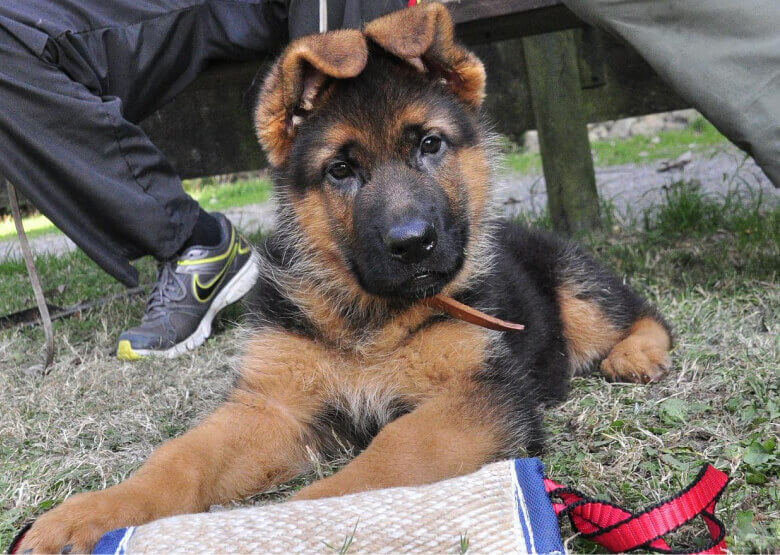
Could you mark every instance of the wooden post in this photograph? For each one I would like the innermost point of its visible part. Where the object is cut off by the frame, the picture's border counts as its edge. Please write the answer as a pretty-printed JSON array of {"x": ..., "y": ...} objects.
[{"x": 556, "y": 94}]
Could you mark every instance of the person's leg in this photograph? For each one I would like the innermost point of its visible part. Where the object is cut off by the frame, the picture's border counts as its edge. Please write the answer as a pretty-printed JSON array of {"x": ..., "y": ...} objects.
[
  {"x": 93, "y": 173},
  {"x": 721, "y": 56},
  {"x": 102, "y": 182}
]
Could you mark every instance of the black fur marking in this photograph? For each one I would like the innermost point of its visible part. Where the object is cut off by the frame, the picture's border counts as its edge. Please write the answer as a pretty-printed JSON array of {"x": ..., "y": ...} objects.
[
  {"x": 522, "y": 288},
  {"x": 511, "y": 393},
  {"x": 335, "y": 429},
  {"x": 267, "y": 304}
]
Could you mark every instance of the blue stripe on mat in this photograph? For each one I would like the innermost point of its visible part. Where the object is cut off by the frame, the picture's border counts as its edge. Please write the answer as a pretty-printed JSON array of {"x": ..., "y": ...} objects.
[
  {"x": 535, "y": 507},
  {"x": 114, "y": 542}
]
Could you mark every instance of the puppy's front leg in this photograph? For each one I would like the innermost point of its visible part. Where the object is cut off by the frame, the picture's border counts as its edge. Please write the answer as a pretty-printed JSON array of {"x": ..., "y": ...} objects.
[
  {"x": 247, "y": 445},
  {"x": 450, "y": 435}
]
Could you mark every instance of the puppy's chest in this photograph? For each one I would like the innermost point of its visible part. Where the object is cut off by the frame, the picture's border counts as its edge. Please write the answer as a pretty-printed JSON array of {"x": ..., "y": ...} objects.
[
  {"x": 420, "y": 365},
  {"x": 373, "y": 383}
]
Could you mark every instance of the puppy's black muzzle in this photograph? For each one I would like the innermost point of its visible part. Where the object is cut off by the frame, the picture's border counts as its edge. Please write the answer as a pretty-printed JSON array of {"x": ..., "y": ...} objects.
[
  {"x": 411, "y": 241},
  {"x": 408, "y": 242}
]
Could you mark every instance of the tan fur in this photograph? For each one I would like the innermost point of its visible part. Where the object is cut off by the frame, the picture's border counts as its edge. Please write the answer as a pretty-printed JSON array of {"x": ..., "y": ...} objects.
[
  {"x": 448, "y": 178},
  {"x": 588, "y": 332},
  {"x": 295, "y": 81},
  {"x": 641, "y": 357},
  {"x": 336, "y": 136},
  {"x": 316, "y": 226},
  {"x": 322, "y": 294},
  {"x": 471, "y": 169},
  {"x": 425, "y": 115},
  {"x": 339, "y": 210},
  {"x": 442, "y": 438},
  {"x": 414, "y": 113},
  {"x": 255, "y": 440},
  {"x": 413, "y": 366},
  {"x": 424, "y": 37},
  {"x": 475, "y": 174}
]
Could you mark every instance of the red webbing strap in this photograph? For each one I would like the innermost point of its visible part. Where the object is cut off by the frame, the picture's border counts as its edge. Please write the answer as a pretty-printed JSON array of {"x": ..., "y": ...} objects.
[{"x": 620, "y": 530}]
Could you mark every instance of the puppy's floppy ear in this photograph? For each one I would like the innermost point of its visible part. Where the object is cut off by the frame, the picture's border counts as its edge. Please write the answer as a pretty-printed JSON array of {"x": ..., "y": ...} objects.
[
  {"x": 294, "y": 85},
  {"x": 423, "y": 36}
]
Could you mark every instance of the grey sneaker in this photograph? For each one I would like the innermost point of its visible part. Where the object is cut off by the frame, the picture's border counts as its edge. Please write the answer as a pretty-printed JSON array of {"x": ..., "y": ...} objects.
[{"x": 189, "y": 293}]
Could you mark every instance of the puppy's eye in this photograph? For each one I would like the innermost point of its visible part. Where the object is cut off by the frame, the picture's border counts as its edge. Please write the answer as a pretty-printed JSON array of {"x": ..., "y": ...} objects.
[
  {"x": 340, "y": 170},
  {"x": 430, "y": 144}
]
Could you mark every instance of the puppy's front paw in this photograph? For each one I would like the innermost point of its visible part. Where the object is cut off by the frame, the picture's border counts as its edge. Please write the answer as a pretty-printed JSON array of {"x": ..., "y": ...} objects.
[
  {"x": 76, "y": 525},
  {"x": 636, "y": 359}
]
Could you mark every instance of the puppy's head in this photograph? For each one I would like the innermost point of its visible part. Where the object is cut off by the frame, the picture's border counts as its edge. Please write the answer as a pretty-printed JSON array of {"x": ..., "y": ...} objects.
[{"x": 379, "y": 154}]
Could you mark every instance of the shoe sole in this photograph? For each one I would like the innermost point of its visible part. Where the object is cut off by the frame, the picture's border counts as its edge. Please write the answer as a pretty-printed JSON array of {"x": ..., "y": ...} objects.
[{"x": 233, "y": 290}]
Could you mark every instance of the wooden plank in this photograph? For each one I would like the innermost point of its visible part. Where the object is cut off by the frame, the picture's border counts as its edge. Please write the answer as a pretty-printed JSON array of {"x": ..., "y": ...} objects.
[
  {"x": 468, "y": 11},
  {"x": 551, "y": 62},
  {"x": 487, "y": 21},
  {"x": 208, "y": 129},
  {"x": 631, "y": 87}
]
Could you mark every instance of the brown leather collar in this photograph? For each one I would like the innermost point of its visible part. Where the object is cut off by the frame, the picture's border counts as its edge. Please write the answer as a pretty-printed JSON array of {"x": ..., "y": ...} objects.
[{"x": 471, "y": 315}]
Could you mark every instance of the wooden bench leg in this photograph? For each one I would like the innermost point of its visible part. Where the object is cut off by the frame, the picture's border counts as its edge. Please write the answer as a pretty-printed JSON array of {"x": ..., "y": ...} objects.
[{"x": 556, "y": 94}]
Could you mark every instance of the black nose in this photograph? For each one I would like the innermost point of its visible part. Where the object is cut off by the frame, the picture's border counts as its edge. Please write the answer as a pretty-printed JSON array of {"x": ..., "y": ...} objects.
[{"x": 410, "y": 241}]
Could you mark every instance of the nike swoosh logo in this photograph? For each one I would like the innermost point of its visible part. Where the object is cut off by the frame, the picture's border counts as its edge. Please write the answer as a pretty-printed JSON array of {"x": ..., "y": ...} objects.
[{"x": 204, "y": 292}]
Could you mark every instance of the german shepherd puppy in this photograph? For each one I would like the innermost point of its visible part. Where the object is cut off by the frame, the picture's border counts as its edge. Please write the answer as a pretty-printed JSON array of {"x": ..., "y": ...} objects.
[{"x": 383, "y": 171}]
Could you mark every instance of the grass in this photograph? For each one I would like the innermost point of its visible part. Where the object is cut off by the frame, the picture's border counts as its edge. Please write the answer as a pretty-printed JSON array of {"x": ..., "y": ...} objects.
[
  {"x": 712, "y": 267},
  {"x": 215, "y": 196},
  {"x": 346, "y": 544},
  {"x": 212, "y": 196},
  {"x": 463, "y": 544},
  {"x": 700, "y": 135},
  {"x": 710, "y": 264},
  {"x": 34, "y": 225}
]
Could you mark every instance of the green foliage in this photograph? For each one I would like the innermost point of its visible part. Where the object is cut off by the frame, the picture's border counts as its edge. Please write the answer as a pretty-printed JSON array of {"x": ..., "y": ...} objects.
[
  {"x": 66, "y": 280},
  {"x": 463, "y": 544},
  {"x": 673, "y": 411},
  {"x": 346, "y": 544},
  {"x": 699, "y": 136},
  {"x": 211, "y": 195},
  {"x": 523, "y": 162},
  {"x": 34, "y": 226},
  {"x": 214, "y": 196},
  {"x": 686, "y": 211}
]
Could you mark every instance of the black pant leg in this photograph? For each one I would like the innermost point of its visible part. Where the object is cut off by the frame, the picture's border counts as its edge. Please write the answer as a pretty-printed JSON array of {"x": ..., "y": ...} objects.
[
  {"x": 303, "y": 17},
  {"x": 93, "y": 173}
]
